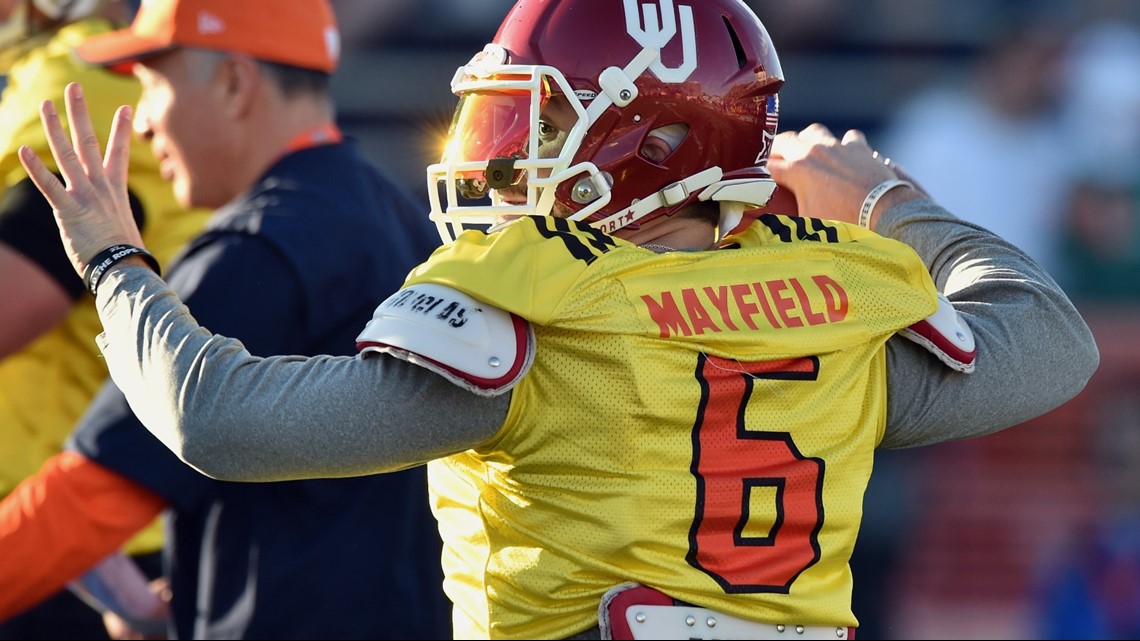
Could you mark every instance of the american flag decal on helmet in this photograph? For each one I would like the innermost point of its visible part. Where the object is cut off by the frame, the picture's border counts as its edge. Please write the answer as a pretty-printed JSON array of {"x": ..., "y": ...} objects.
[
  {"x": 771, "y": 120},
  {"x": 772, "y": 113}
]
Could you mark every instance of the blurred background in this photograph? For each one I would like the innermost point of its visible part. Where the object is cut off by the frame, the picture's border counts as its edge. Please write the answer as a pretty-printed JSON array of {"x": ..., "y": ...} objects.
[{"x": 1022, "y": 115}]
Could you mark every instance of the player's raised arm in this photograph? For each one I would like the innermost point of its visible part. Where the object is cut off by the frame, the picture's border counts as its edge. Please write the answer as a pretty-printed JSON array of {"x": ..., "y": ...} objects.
[{"x": 91, "y": 204}]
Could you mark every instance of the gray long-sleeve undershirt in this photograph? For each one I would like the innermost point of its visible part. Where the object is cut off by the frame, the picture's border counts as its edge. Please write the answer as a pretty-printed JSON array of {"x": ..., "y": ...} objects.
[{"x": 244, "y": 418}]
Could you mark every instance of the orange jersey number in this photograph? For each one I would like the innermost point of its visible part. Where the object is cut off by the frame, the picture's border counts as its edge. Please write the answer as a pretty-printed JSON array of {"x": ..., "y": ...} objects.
[{"x": 736, "y": 469}]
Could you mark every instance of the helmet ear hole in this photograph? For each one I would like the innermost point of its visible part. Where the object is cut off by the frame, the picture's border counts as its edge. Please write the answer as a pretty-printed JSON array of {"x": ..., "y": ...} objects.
[{"x": 661, "y": 142}]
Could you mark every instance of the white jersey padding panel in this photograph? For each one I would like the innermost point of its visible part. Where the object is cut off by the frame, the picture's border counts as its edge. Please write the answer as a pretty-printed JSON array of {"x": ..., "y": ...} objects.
[
  {"x": 479, "y": 347},
  {"x": 946, "y": 335}
]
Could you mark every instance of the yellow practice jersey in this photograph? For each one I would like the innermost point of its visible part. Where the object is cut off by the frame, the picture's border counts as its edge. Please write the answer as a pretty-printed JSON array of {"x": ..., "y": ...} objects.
[
  {"x": 45, "y": 388},
  {"x": 699, "y": 422}
]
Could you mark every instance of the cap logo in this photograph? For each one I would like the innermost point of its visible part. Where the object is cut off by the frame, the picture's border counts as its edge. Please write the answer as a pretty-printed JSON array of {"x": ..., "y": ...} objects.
[
  {"x": 209, "y": 24},
  {"x": 332, "y": 43},
  {"x": 660, "y": 27}
]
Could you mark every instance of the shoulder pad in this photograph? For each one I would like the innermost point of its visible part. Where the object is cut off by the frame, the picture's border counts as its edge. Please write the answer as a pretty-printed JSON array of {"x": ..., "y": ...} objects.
[
  {"x": 479, "y": 347},
  {"x": 946, "y": 335}
]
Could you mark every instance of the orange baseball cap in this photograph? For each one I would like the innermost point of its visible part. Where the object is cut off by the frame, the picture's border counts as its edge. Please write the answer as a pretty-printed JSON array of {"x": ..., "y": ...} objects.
[{"x": 299, "y": 33}]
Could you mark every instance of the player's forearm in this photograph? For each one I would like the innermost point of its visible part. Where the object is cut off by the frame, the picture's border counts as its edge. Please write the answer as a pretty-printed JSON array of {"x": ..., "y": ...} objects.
[
  {"x": 1034, "y": 349},
  {"x": 237, "y": 417}
]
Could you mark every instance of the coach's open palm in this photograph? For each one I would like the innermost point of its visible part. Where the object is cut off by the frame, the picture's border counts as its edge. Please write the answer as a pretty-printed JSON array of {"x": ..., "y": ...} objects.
[{"x": 91, "y": 205}]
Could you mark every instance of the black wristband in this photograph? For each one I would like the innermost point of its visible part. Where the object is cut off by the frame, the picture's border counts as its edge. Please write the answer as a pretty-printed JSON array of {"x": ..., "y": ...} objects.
[{"x": 113, "y": 254}]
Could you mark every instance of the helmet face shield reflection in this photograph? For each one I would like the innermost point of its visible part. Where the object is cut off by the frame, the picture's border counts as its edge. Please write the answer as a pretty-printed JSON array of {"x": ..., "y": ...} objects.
[
  {"x": 492, "y": 128},
  {"x": 501, "y": 160}
]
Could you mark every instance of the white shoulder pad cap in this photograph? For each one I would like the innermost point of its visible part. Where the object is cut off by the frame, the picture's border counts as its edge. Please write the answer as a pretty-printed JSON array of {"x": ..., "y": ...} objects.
[
  {"x": 946, "y": 335},
  {"x": 479, "y": 347}
]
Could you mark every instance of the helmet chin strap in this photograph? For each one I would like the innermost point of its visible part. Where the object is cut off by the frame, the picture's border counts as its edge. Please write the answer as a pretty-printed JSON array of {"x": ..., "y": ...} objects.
[
  {"x": 736, "y": 196},
  {"x": 673, "y": 194},
  {"x": 733, "y": 196},
  {"x": 731, "y": 213}
]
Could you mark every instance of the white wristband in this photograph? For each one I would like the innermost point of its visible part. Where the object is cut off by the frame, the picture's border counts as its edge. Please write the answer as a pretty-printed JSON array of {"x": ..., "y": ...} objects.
[{"x": 873, "y": 197}]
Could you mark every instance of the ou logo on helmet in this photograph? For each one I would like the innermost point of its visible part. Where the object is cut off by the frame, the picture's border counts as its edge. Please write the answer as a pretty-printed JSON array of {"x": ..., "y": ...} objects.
[{"x": 654, "y": 26}]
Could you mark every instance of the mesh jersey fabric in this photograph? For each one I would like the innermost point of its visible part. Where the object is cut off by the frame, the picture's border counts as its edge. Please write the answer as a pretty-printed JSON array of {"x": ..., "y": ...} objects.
[{"x": 702, "y": 423}]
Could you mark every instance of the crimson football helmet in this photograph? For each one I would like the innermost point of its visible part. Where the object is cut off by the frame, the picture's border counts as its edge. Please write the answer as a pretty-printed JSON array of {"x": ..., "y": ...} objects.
[{"x": 701, "y": 75}]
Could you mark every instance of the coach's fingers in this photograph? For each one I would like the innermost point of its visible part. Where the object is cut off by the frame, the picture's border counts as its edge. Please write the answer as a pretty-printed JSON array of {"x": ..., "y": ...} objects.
[
  {"x": 60, "y": 145},
  {"x": 57, "y": 196},
  {"x": 112, "y": 212},
  {"x": 117, "y": 160},
  {"x": 854, "y": 136},
  {"x": 44, "y": 180},
  {"x": 80, "y": 191},
  {"x": 83, "y": 138},
  {"x": 90, "y": 217},
  {"x": 830, "y": 177},
  {"x": 817, "y": 130}
]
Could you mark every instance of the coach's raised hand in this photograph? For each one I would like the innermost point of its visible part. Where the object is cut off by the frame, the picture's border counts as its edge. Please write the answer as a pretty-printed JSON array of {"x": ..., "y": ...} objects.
[{"x": 91, "y": 205}]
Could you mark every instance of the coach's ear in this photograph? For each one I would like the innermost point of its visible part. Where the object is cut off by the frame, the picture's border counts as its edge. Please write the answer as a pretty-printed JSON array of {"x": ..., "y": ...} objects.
[{"x": 240, "y": 78}]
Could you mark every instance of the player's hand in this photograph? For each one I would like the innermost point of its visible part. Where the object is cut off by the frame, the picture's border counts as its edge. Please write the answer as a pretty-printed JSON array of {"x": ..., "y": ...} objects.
[
  {"x": 154, "y": 627},
  {"x": 91, "y": 205},
  {"x": 829, "y": 177}
]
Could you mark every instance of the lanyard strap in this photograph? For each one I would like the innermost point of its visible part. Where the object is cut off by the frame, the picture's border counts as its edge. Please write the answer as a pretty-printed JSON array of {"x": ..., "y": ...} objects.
[{"x": 326, "y": 134}]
